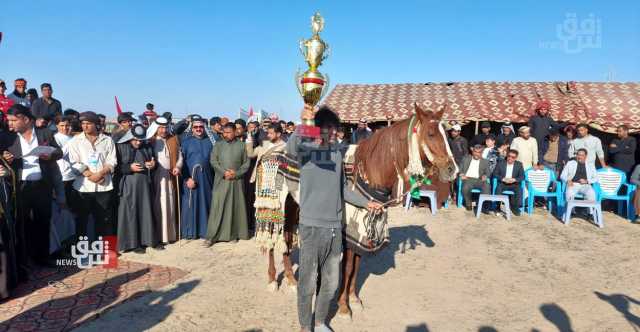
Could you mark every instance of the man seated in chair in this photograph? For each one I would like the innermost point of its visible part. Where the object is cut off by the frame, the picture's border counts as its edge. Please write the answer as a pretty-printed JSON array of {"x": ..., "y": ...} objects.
[
  {"x": 510, "y": 175},
  {"x": 474, "y": 174},
  {"x": 579, "y": 176}
]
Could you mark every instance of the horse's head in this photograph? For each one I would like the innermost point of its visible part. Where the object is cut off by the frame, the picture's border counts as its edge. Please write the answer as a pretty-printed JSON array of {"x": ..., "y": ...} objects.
[{"x": 433, "y": 141}]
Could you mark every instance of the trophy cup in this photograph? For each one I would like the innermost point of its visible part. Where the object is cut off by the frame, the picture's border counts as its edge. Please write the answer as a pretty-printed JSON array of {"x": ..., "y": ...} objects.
[{"x": 312, "y": 84}]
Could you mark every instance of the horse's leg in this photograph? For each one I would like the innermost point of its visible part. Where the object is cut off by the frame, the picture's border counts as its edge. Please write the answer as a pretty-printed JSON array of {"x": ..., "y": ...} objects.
[
  {"x": 353, "y": 297},
  {"x": 347, "y": 270},
  {"x": 288, "y": 271},
  {"x": 271, "y": 272}
]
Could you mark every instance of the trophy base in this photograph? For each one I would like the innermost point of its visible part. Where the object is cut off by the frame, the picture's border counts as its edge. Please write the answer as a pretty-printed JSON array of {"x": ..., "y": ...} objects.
[{"x": 308, "y": 131}]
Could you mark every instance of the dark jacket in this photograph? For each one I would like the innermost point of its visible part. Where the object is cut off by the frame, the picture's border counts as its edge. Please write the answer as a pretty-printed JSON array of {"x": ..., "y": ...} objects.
[
  {"x": 623, "y": 156},
  {"x": 563, "y": 150},
  {"x": 505, "y": 139},
  {"x": 501, "y": 171},
  {"x": 50, "y": 171},
  {"x": 540, "y": 127},
  {"x": 479, "y": 139},
  {"x": 483, "y": 168},
  {"x": 44, "y": 110},
  {"x": 359, "y": 135},
  {"x": 459, "y": 148}
]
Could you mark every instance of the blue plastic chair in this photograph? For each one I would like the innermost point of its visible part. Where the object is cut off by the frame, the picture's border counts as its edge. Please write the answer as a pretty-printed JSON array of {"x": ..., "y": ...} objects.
[
  {"x": 538, "y": 183},
  {"x": 610, "y": 181},
  {"x": 494, "y": 186},
  {"x": 473, "y": 191}
]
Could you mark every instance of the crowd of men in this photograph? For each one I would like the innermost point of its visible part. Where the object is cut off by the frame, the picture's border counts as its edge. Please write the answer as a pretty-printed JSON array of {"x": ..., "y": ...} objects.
[
  {"x": 130, "y": 181},
  {"x": 151, "y": 181},
  {"x": 569, "y": 151}
]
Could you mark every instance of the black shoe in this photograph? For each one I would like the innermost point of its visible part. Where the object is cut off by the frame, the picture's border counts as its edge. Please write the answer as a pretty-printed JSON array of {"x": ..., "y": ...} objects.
[
  {"x": 159, "y": 247},
  {"x": 140, "y": 250},
  {"x": 468, "y": 207},
  {"x": 515, "y": 213},
  {"x": 208, "y": 243}
]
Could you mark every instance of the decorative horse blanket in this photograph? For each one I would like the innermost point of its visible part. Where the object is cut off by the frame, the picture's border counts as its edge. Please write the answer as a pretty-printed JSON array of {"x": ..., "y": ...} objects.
[{"x": 364, "y": 232}]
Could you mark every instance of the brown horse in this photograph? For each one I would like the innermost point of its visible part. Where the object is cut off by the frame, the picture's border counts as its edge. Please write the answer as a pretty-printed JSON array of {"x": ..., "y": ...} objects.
[{"x": 382, "y": 160}]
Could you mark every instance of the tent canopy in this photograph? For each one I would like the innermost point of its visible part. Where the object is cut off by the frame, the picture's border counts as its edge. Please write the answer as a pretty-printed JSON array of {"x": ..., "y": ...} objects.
[{"x": 603, "y": 105}]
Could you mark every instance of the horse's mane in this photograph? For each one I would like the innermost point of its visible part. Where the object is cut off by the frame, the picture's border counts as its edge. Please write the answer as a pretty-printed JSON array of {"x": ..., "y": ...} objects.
[{"x": 380, "y": 157}]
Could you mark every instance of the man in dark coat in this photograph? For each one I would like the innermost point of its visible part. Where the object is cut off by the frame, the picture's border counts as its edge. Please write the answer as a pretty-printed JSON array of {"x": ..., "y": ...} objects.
[
  {"x": 46, "y": 108},
  {"x": 136, "y": 229},
  {"x": 198, "y": 180},
  {"x": 38, "y": 174},
  {"x": 362, "y": 132},
  {"x": 481, "y": 138},
  {"x": 623, "y": 150},
  {"x": 541, "y": 123},
  {"x": 458, "y": 144},
  {"x": 474, "y": 172},
  {"x": 510, "y": 174},
  {"x": 506, "y": 136}
]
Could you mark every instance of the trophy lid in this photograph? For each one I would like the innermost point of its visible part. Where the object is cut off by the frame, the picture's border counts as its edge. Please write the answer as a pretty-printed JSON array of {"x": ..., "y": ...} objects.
[{"x": 317, "y": 23}]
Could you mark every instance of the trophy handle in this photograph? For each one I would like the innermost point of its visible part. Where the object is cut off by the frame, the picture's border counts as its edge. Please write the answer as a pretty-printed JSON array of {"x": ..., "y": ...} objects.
[
  {"x": 297, "y": 80},
  {"x": 327, "y": 51},
  {"x": 325, "y": 87},
  {"x": 303, "y": 49}
]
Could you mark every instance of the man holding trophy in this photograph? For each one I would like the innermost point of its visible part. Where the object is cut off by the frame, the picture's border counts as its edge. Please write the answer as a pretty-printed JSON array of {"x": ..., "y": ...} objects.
[{"x": 321, "y": 181}]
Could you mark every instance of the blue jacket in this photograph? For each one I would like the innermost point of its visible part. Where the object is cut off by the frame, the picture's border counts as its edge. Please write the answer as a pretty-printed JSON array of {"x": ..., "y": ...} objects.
[{"x": 563, "y": 150}]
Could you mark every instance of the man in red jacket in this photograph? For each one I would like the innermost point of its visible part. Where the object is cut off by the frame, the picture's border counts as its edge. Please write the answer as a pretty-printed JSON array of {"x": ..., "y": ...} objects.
[{"x": 5, "y": 102}]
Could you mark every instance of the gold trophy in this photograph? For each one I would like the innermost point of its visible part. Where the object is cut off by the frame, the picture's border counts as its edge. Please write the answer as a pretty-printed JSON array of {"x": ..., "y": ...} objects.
[{"x": 312, "y": 84}]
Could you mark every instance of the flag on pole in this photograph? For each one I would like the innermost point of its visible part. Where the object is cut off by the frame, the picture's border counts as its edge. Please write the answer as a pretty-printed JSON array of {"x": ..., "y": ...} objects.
[{"x": 118, "y": 109}]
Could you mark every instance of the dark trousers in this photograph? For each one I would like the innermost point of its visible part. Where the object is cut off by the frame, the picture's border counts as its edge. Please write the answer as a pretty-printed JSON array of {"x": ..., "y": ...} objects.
[
  {"x": 34, "y": 221},
  {"x": 471, "y": 183},
  {"x": 99, "y": 205},
  {"x": 71, "y": 195},
  {"x": 514, "y": 200}
]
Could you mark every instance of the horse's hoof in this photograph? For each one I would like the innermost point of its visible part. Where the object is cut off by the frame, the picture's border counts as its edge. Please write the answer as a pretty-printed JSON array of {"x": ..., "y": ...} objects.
[
  {"x": 344, "y": 312},
  {"x": 272, "y": 286},
  {"x": 356, "y": 301}
]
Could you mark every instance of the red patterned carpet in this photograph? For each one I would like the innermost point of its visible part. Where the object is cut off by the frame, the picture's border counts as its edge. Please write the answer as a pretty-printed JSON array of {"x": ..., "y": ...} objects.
[{"x": 61, "y": 299}]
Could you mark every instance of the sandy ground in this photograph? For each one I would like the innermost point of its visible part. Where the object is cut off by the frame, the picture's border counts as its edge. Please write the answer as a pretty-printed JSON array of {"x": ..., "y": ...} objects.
[{"x": 445, "y": 273}]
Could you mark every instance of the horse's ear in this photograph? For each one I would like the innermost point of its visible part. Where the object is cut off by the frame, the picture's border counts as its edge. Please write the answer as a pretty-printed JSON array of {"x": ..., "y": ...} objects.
[
  {"x": 438, "y": 115},
  {"x": 422, "y": 114}
]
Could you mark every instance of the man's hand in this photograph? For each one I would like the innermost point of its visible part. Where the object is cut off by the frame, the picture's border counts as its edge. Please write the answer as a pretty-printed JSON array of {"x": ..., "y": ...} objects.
[
  {"x": 45, "y": 156},
  {"x": 40, "y": 123},
  {"x": 569, "y": 184},
  {"x": 232, "y": 174},
  {"x": 612, "y": 145},
  {"x": 136, "y": 167},
  {"x": 150, "y": 164},
  {"x": 583, "y": 181},
  {"x": 374, "y": 206},
  {"x": 95, "y": 178},
  {"x": 191, "y": 184},
  {"x": 308, "y": 113},
  {"x": 175, "y": 171},
  {"x": 8, "y": 157},
  {"x": 483, "y": 178},
  {"x": 464, "y": 177}
]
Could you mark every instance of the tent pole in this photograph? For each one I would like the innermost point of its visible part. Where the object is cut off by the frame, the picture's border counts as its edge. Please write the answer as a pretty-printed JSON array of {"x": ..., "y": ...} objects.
[{"x": 477, "y": 125}]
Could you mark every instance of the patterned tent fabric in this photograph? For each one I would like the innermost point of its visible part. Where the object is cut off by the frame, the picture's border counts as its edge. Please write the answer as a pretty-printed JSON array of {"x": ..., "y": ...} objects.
[{"x": 603, "y": 105}]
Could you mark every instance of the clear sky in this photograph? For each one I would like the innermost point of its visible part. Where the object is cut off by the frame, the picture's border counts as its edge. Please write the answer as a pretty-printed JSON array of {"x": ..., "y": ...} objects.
[{"x": 214, "y": 57}]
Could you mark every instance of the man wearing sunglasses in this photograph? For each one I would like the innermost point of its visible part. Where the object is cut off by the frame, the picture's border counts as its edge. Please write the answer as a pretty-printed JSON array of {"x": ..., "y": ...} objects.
[
  {"x": 198, "y": 181},
  {"x": 510, "y": 174}
]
